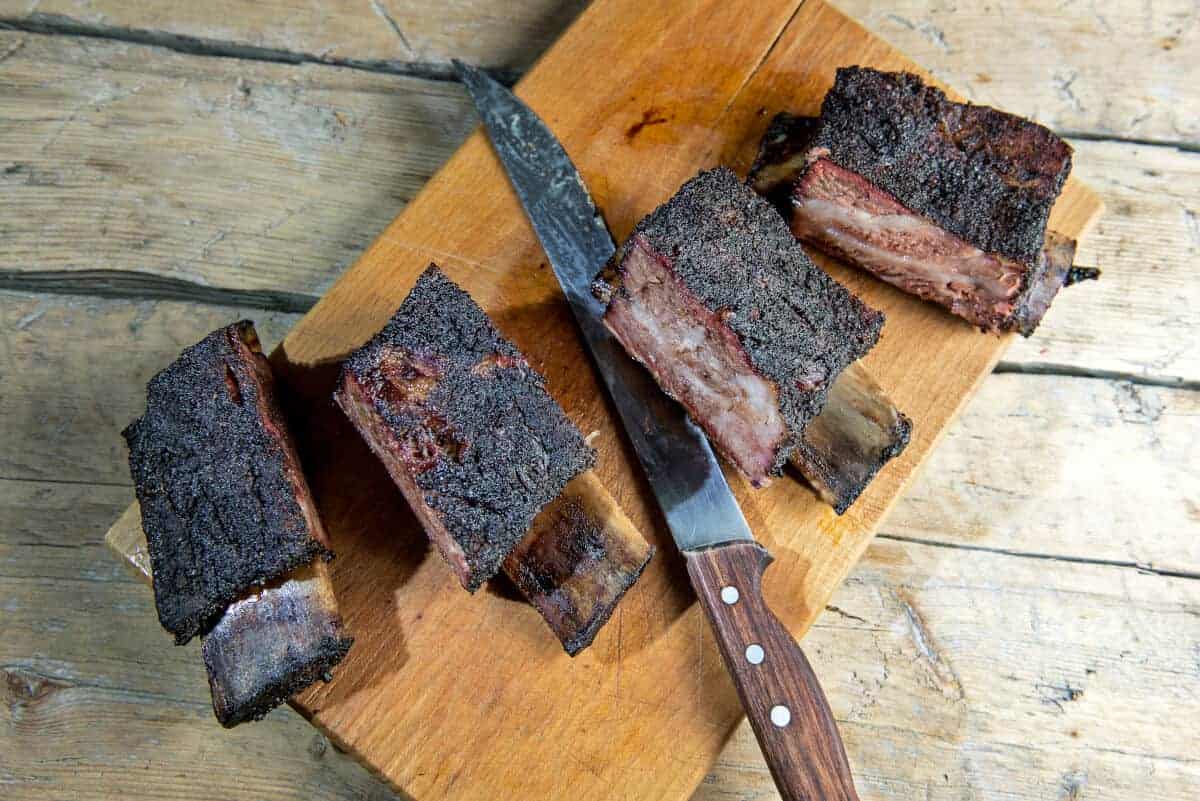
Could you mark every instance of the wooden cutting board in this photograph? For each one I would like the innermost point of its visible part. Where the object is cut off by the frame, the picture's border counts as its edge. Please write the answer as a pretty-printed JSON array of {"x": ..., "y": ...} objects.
[{"x": 446, "y": 695}]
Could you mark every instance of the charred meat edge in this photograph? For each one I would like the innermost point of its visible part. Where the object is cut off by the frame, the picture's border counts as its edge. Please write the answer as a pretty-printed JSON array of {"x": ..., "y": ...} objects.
[
  {"x": 216, "y": 381},
  {"x": 574, "y": 564},
  {"x": 855, "y": 435},
  {"x": 358, "y": 405},
  {"x": 463, "y": 425},
  {"x": 270, "y": 644},
  {"x": 580, "y": 557},
  {"x": 986, "y": 176},
  {"x": 733, "y": 319},
  {"x": 742, "y": 415}
]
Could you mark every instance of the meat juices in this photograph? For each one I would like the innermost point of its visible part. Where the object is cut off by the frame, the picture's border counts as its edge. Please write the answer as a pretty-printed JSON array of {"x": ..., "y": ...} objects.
[
  {"x": 463, "y": 424},
  {"x": 224, "y": 503},
  {"x": 712, "y": 293},
  {"x": 949, "y": 201}
]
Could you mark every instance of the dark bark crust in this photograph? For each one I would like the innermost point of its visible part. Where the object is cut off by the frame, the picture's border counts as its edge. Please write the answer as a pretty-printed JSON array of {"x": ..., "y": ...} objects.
[
  {"x": 782, "y": 157},
  {"x": 220, "y": 490},
  {"x": 982, "y": 174},
  {"x": 483, "y": 440},
  {"x": 798, "y": 326}
]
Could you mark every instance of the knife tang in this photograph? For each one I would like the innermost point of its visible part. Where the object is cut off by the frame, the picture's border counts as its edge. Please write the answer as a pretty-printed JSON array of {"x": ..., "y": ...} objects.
[{"x": 779, "y": 691}]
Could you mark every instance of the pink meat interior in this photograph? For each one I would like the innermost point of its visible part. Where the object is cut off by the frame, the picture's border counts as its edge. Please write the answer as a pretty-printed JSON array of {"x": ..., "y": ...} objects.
[
  {"x": 698, "y": 360},
  {"x": 841, "y": 213}
]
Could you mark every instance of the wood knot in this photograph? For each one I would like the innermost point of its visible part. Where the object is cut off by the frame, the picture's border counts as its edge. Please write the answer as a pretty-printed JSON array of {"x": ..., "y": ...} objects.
[{"x": 24, "y": 688}]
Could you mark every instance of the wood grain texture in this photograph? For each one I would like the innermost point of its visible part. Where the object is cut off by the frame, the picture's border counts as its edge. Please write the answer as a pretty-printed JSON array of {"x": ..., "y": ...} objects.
[
  {"x": 1102, "y": 66},
  {"x": 1025, "y": 442},
  {"x": 98, "y": 662},
  {"x": 218, "y": 172},
  {"x": 386, "y": 34},
  {"x": 780, "y": 694},
  {"x": 84, "y": 656},
  {"x": 95, "y": 702},
  {"x": 410, "y": 716},
  {"x": 1042, "y": 465},
  {"x": 1153, "y": 309},
  {"x": 61, "y": 415},
  {"x": 67, "y": 392}
]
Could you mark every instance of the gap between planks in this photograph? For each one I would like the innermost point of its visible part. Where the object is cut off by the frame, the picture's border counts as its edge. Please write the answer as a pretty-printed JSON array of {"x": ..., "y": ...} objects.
[
  {"x": 137, "y": 286},
  {"x": 61, "y": 25},
  {"x": 1148, "y": 569},
  {"x": 1118, "y": 564}
]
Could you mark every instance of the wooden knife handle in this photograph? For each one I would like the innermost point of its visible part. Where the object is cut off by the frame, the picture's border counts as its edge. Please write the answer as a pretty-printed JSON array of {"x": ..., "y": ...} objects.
[{"x": 779, "y": 691}]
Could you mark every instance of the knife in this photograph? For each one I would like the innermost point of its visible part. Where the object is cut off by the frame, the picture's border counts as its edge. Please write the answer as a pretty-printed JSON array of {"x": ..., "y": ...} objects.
[{"x": 778, "y": 689}]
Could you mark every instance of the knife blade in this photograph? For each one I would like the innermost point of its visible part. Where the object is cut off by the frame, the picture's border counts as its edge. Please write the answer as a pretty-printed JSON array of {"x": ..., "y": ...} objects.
[{"x": 776, "y": 684}]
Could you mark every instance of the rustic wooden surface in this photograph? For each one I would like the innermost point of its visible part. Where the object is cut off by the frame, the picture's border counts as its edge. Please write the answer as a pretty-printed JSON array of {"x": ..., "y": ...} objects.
[{"x": 1026, "y": 625}]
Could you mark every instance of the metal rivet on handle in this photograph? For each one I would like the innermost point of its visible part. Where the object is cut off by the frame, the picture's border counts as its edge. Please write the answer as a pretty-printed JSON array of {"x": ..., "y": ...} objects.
[
  {"x": 730, "y": 595},
  {"x": 754, "y": 654},
  {"x": 781, "y": 715}
]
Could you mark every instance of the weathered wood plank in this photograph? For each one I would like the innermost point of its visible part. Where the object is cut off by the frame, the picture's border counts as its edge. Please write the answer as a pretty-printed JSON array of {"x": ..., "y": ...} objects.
[
  {"x": 1100, "y": 67},
  {"x": 60, "y": 642},
  {"x": 996, "y": 677},
  {"x": 1091, "y": 684},
  {"x": 1085, "y": 468},
  {"x": 75, "y": 372},
  {"x": 996, "y": 52},
  {"x": 985, "y": 766},
  {"x": 390, "y": 33},
  {"x": 1024, "y": 469},
  {"x": 96, "y": 702},
  {"x": 219, "y": 172},
  {"x": 272, "y": 178},
  {"x": 1141, "y": 317}
]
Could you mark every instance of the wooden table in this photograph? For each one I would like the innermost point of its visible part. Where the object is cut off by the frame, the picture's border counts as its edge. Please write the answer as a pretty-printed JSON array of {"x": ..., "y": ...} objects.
[{"x": 1027, "y": 625}]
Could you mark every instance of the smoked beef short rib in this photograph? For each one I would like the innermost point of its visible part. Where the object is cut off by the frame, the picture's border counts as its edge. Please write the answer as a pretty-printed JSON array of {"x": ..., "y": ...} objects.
[
  {"x": 224, "y": 503},
  {"x": 948, "y": 201},
  {"x": 712, "y": 293},
  {"x": 463, "y": 424}
]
